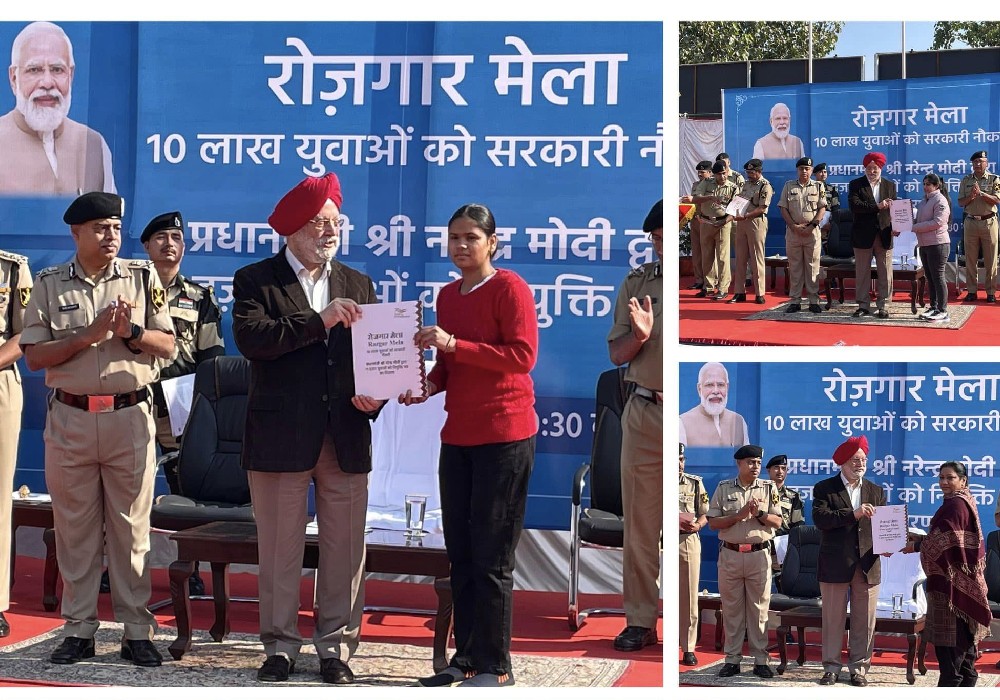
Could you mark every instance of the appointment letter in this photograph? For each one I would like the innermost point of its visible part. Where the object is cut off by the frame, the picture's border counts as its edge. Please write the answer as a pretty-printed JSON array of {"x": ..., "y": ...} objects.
[
  {"x": 889, "y": 527},
  {"x": 387, "y": 360}
]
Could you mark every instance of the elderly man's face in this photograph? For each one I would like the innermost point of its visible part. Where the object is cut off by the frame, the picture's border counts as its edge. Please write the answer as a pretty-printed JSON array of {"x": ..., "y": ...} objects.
[
  {"x": 780, "y": 122},
  {"x": 42, "y": 81},
  {"x": 855, "y": 468},
  {"x": 316, "y": 243},
  {"x": 873, "y": 170},
  {"x": 714, "y": 391}
]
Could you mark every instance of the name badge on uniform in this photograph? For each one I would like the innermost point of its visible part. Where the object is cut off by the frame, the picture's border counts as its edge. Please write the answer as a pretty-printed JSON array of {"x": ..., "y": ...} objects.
[
  {"x": 185, "y": 303},
  {"x": 69, "y": 307}
]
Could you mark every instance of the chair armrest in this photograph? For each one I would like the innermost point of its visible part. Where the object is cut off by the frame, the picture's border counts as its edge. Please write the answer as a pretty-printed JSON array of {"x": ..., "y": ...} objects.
[
  {"x": 918, "y": 584},
  {"x": 167, "y": 457},
  {"x": 578, "y": 481}
]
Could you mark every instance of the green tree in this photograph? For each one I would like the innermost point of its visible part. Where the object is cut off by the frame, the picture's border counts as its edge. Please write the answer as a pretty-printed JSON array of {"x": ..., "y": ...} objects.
[
  {"x": 719, "y": 42},
  {"x": 975, "y": 35}
]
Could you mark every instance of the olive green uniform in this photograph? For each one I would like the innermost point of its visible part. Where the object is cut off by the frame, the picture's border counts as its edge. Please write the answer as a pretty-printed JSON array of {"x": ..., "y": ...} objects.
[
  {"x": 803, "y": 202},
  {"x": 642, "y": 451},
  {"x": 750, "y": 236},
  {"x": 693, "y": 499},
  {"x": 197, "y": 323},
  {"x": 981, "y": 233},
  {"x": 15, "y": 290},
  {"x": 715, "y": 237},
  {"x": 745, "y": 576},
  {"x": 100, "y": 462}
]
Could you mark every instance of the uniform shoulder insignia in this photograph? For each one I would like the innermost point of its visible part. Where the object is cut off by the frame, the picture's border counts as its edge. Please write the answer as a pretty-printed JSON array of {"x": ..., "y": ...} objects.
[
  {"x": 139, "y": 264},
  {"x": 49, "y": 270},
  {"x": 774, "y": 497},
  {"x": 704, "y": 497},
  {"x": 13, "y": 257},
  {"x": 693, "y": 476},
  {"x": 637, "y": 271}
]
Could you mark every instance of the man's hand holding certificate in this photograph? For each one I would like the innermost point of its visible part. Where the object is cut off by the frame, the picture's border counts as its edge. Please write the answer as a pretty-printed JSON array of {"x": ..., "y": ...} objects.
[
  {"x": 387, "y": 360},
  {"x": 889, "y": 528}
]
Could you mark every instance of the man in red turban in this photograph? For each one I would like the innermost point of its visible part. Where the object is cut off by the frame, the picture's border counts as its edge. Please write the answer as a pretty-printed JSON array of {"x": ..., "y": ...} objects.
[
  {"x": 842, "y": 509},
  {"x": 291, "y": 318},
  {"x": 871, "y": 234}
]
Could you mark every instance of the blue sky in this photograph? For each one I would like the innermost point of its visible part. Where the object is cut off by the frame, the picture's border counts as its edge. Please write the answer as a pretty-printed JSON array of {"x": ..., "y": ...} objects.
[{"x": 868, "y": 38}]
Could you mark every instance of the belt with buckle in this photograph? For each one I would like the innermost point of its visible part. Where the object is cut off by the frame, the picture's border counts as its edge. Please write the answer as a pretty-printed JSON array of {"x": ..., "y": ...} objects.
[
  {"x": 713, "y": 218},
  {"x": 984, "y": 217},
  {"x": 744, "y": 547},
  {"x": 648, "y": 394},
  {"x": 96, "y": 403}
]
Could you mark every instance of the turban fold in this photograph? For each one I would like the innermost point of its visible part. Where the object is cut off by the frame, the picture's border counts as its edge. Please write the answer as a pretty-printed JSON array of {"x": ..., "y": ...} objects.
[
  {"x": 303, "y": 202},
  {"x": 849, "y": 449},
  {"x": 874, "y": 157}
]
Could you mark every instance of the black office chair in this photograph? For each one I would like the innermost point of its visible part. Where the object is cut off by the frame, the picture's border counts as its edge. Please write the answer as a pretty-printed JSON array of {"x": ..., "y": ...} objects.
[
  {"x": 211, "y": 483},
  {"x": 799, "y": 571},
  {"x": 838, "y": 249},
  {"x": 601, "y": 525}
]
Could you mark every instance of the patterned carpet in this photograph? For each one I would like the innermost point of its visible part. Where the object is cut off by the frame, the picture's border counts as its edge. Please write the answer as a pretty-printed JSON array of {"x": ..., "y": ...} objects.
[
  {"x": 809, "y": 675},
  {"x": 234, "y": 662},
  {"x": 899, "y": 315}
]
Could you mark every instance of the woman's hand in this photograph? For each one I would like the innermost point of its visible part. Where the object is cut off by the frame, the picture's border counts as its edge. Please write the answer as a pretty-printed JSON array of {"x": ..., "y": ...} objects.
[
  {"x": 408, "y": 399},
  {"x": 436, "y": 337}
]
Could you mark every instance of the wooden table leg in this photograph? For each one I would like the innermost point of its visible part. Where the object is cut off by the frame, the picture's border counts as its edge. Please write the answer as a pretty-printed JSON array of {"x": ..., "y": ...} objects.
[
  {"x": 802, "y": 646},
  {"x": 782, "y": 634},
  {"x": 921, "y": 650},
  {"x": 13, "y": 552},
  {"x": 718, "y": 629},
  {"x": 911, "y": 652},
  {"x": 51, "y": 574},
  {"x": 829, "y": 292},
  {"x": 773, "y": 270},
  {"x": 788, "y": 283},
  {"x": 220, "y": 594},
  {"x": 913, "y": 297},
  {"x": 443, "y": 623},
  {"x": 180, "y": 571}
]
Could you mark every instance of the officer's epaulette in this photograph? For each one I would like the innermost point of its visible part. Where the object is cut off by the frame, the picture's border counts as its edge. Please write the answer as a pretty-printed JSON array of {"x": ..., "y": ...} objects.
[
  {"x": 139, "y": 264},
  {"x": 638, "y": 271},
  {"x": 693, "y": 476},
  {"x": 13, "y": 257},
  {"x": 765, "y": 481},
  {"x": 49, "y": 270},
  {"x": 197, "y": 285}
]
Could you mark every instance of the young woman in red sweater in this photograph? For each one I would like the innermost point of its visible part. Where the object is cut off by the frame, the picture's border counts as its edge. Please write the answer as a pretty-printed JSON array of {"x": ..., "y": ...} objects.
[{"x": 487, "y": 343}]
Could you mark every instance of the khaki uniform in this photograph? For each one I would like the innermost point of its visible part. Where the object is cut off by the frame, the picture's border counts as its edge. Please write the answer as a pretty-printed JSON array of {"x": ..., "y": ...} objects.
[
  {"x": 745, "y": 576},
  {"x": 750, "y": 235},
  {"x": 642, "y": 451},
  {"x": 197, "y": 332},
  {"x": 980, "y": 234},
  {"x": 697, "y": 190},
  {"x": 803, "y": 202},
  {"x": 15, "y": 290},
  {"x": 715, "y": 239},
  {"x": 693, "y": 499},
  {"x": 100, "y": 466}
]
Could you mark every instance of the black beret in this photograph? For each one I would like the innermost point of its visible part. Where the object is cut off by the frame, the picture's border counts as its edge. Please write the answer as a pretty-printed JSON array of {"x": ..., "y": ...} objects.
[
  {"x": 776, "y": 460},
  {"x": 704, "y": 165},
  {"x": 979, "y": 154},
  {"x": 172, "y": 219},
  {"x": 682, "y": 449},
  {"x": 806, "y": 160},
  {"x": 754, "y": 164},
  {"x": 749, "y": 451},
  {"x": 654, "y": 219},
  {"x": 819, "y": 167},
  {"x": 718, "y": 167},
  {"x": 94, "y": 205},
  {"x": 722, "y": 155}
]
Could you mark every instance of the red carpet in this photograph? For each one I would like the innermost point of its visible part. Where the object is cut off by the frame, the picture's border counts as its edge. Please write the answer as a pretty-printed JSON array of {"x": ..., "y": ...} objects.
[
  {"x": 539, "y": 620},
  {"x": 707, "y": 322}
]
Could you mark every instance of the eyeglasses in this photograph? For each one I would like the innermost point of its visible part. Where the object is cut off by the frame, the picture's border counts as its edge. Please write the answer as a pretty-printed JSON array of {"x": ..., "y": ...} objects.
[{"x": 332, "y": 224}]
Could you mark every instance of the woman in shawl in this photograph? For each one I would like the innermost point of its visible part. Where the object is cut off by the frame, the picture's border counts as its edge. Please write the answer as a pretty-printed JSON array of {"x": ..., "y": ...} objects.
[{"x": 953, "y": 556}]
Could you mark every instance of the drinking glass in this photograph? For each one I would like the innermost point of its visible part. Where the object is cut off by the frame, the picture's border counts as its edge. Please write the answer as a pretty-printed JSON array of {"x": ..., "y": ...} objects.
[
  {"x": 897, "y": 605},
  {"x": 415, "y": 507}
]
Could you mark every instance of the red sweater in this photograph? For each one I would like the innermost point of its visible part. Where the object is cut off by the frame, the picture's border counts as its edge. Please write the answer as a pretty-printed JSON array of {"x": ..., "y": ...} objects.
[{"x": 490, "y": 396}]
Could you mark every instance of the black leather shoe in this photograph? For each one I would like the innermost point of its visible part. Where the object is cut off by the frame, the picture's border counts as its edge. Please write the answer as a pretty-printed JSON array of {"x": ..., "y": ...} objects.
[
  {"x": 828, "y": 678},
  {"x": 862, "y": 312},
  {"x": 816, "y": 308},
  {"x": 763, "y": 670},
  {"x": 882, "y": 313},
  {"x": 720, "y": 296},
  {"x": 858, "y": 680},
  {"x": 728, "y": 670},
  {"x": 335, "y": 671},
  {"x": 275, "y": 669},
  {"x": 105, "y": 582},
  {"x": 4, "y": 626},
  {"x": 737, "y": 298},
  {"x": 991, "y": 299},
  {"x": 971, "y": 296},
  {"x": 793, "y": 308},
  {"x": 73, "y": 649},
  {"x": 758, "y": 300},
  {"x": 689, "y": 659},
  {"x": 704, "y": 293},
  {"x": 635, "y": 638},
  {"x": 195, "y": 585},
  {"x": 141, "y": 652},
  {"x": 696, "y": 285}
]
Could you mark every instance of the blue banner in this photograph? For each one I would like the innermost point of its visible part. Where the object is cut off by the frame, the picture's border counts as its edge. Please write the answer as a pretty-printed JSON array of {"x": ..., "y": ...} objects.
[
  {"x": 914, "y": 415},
  {"x": 922, "y": 125},
  {"x": 557, "y": 127}
]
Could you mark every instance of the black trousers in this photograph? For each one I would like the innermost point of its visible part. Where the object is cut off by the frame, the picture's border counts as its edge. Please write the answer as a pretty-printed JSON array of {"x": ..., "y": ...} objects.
[
  {"x": 957, "y": 664},
  {"x": 484, "y": 489}
]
